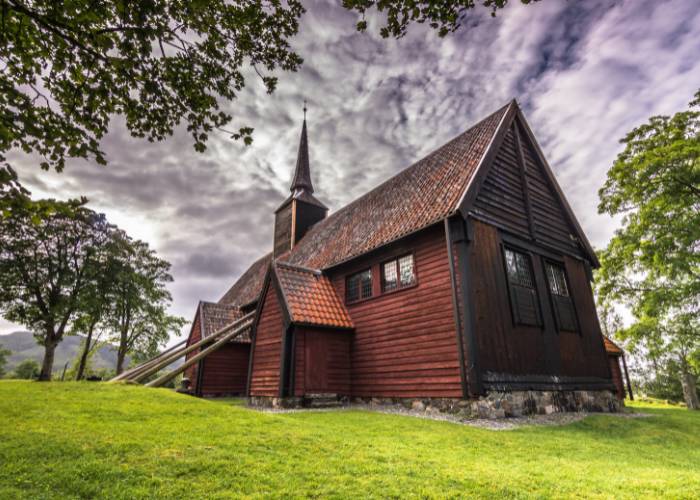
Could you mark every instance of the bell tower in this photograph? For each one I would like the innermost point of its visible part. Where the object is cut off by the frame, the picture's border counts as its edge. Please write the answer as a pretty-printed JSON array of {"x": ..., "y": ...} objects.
[{"x": 301, "y": 210}]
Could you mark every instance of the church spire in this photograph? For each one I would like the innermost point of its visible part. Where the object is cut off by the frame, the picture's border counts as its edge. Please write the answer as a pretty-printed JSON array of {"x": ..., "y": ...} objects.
[{"x": 302, "y": 174}]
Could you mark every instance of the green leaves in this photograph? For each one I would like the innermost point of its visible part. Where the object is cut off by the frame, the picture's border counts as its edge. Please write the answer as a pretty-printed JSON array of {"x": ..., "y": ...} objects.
[
  {"x": 652, "y": 263},
  {"x": 69, "y": 68},
  {"x": 444, "y": 17}
]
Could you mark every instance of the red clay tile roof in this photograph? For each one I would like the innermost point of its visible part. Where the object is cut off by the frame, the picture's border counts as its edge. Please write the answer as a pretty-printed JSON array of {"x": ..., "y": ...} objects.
[
  {"x": 611, "y": 347},
  {"x": 311, "y": 298},
  {"x": 419, "y": 196},
  {"x": 247, "y": 288},
  {"x": 216, "y": 316}
]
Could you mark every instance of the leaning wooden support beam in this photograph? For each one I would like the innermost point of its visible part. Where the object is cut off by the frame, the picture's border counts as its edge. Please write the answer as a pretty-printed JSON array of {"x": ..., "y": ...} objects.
[
  {"x": 169, "y": 359},
  {"x": 194, "y": 359},
  {"x": 135, "y": 372},
  {"x": 131, "y": 371}
]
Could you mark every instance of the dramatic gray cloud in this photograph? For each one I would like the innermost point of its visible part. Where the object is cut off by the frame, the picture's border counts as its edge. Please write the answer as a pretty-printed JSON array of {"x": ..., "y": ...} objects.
[{"x": 584, "y": 72}]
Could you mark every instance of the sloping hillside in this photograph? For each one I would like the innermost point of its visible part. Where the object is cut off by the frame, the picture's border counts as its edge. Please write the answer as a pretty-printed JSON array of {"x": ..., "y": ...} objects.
[
  {"x": 24, "y": 346},
  {"x": 80, "y": 440}
]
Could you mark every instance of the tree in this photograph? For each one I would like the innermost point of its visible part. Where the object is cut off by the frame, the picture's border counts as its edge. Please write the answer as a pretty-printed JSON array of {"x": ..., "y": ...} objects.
[
  {"x": 69, "y": 67},
  {"x": 27, "y": 370},
  {"x": 652, "y": 262},
  {"x": 4, "y": 353},
  {"x": 138, "y": 304},
  {"x": 48, "y": 254},
  {"x": 96, "y": 299}
]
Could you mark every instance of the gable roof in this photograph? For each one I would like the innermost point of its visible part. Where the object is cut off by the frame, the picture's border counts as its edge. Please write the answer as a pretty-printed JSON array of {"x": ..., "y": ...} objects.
[
  {"x": 216, "y": 316},
  {"x": 246, "y": 290},
  {"x": 611, "y": 347},
  {"x": 438, "y": 186},
  {"x": 310, "y": 298},
  {"x": 415, "y": 198}
]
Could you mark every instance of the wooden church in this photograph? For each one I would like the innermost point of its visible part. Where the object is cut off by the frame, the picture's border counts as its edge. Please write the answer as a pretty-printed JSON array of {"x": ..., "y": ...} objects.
[{"x": 464, "y": 278}]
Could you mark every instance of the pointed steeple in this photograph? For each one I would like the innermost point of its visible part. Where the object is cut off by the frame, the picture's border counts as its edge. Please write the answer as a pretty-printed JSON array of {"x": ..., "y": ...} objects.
[
  {"x": 301, "y": 210},
  {"x": 302, "y": 174}
]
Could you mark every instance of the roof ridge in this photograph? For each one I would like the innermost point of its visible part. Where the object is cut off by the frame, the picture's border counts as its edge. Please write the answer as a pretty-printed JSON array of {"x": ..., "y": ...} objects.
[
  {"x": 337, "y": 213},
  {"x": 296, "y": 267}
]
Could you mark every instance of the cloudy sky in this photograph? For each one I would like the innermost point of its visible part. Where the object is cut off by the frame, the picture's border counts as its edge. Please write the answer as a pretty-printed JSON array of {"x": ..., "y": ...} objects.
[{"x": 584, "y": 73}]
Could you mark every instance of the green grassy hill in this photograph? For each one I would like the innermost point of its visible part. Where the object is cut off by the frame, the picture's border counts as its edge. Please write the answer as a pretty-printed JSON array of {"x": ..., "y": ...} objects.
[{"x": 73, "y": 440}]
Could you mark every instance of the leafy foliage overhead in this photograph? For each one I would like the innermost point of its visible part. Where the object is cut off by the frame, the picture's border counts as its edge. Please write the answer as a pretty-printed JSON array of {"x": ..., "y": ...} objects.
[
  {"x": 445, "y": 17},
  {"x": 68, "y": 68}
]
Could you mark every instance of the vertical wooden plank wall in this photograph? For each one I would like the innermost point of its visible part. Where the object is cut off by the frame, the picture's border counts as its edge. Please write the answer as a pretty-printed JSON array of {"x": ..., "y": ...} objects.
[{"x": 265, "y": 373}]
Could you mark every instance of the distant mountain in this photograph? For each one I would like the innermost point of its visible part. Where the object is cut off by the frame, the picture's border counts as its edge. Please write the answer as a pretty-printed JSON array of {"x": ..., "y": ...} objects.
[{"x": 24, "y": 346}]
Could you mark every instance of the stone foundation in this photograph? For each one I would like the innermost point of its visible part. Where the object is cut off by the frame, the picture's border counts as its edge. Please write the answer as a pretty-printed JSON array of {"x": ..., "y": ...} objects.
[
  {"x": 493, "y": 405},
  {"x": 508, "y": 404}
]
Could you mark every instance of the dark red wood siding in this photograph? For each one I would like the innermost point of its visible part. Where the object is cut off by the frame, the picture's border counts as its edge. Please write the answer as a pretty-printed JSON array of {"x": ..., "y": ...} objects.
[
  {"x": 195, "y": 336},
  {"x": 505, "y": 347},
  {"x": 265, "y": 375},
  {"x": 322, "y": 361},
  {"x": 614, "y": 362},
  {"x": 405, "y": 341},
  {"x": 225, "y": 371}
]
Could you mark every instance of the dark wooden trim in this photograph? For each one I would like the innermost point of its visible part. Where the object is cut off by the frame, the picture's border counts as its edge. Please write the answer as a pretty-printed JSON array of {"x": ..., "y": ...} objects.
[
  {"x": 254, "y": 327},
  {"x": 523, "y": 179},
  {"x": 484, "y": 166},
  {"x": 348, "y": 329},
  {"x": 281, "y": 298},
  {"x": 293, "y": 363},
  {"x": 583, "y": 240},
  {"x": 455, "y": 308},
  {"x": 285, "y": 358},
  {"x": 562, "y": 264},
  {"x": 530, "y": 257},
  {"x": 200, "y": 377},
  {"x": 539, "y": 248},
  {"x": 509, "y": 382},
  {"x": 627, "y": 377}
]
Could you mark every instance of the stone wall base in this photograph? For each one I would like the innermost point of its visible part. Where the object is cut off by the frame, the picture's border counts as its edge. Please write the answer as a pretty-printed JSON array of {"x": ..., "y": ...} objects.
[
  {"x": 508, "y": 404},
  {"x": 493, "y": 405}
]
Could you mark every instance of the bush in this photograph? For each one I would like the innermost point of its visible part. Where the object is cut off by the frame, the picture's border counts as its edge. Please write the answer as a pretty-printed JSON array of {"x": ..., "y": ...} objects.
[{"x": 27, "y": 370}]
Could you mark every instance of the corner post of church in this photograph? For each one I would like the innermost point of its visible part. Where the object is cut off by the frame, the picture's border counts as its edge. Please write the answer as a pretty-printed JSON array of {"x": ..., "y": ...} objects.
[{"x": 460, "y": 236}]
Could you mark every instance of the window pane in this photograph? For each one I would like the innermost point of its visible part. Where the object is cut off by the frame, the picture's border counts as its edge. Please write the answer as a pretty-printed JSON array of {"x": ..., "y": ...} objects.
[
  {"x": 353, "y": 289},
  {"x": 366, "y": 281},
  {"x": 406, "y": 271},
  {"x": 390, "y": 278},
  {"x": 556, "y": 278},
  {"x": 518, "y": 269},
  {"x": 358, "y": 286}
]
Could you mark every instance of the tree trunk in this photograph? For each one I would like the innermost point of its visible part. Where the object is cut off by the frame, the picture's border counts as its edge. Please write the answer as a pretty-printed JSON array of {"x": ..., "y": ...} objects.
[
  {"x": 47, "y": 364},
  {"x": 690, "y": 391},
  {"x": 84, "y": 356},
  {"x": 121, "y": 354}
]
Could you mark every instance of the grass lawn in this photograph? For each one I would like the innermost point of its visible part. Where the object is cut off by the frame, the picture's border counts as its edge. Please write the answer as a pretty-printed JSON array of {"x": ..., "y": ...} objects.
[{"x": 66, "y": 440}]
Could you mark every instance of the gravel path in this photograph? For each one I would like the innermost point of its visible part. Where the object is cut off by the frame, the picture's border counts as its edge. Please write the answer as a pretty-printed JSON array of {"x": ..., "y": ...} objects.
[{"x": 502, "y": 424}]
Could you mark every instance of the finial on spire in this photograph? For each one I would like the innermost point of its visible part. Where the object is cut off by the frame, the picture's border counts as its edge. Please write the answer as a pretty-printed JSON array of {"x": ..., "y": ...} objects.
[{"x": 304, "y": 109}]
